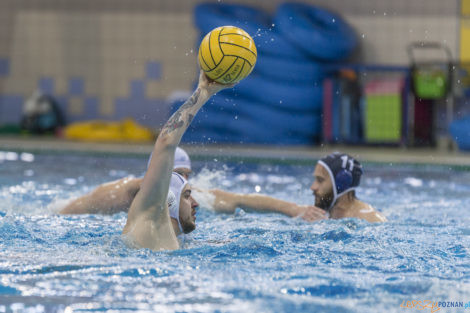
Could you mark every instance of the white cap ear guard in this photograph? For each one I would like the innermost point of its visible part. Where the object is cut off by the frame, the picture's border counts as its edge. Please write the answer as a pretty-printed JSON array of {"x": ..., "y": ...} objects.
[{"x": 177, "y": 184}]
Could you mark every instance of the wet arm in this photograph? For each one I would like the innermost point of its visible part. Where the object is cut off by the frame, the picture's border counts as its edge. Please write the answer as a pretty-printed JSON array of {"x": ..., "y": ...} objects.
[
  {"x": 227, "y": 202},
  {"x": 109, "y": 198}
]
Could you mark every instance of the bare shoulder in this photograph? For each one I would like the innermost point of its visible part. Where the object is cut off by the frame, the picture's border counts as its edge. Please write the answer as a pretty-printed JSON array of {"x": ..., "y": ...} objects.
[{"x": 368, "y": 213}]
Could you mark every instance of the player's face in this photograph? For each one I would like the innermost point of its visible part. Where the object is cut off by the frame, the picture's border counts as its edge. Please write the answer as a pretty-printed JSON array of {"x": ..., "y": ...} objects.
[
  {"x": 188, "y": 210},
  {"x": 322, "y": 188},
  {"x": 185, "y": 172}
]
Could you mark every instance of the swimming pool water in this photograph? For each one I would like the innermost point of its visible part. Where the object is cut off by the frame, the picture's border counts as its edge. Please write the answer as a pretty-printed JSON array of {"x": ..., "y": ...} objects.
[{"x": 242, "y": 262}]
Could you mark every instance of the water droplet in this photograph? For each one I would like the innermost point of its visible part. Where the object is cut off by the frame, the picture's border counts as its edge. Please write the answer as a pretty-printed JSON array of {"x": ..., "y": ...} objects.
[
  {"x": 333, "y": 20},
  {"x": 272, "y": 25},
  {"x": 363, "y": 35}
]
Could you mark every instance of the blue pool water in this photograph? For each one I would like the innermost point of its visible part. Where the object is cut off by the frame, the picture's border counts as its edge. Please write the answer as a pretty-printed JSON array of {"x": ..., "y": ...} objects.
[{"x": 245, "y": 262}]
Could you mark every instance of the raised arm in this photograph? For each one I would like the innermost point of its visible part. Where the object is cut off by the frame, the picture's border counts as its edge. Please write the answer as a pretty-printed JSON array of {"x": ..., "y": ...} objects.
[
  {"x": 227, "y": 202},
  {"x": 148, "y": 223}
]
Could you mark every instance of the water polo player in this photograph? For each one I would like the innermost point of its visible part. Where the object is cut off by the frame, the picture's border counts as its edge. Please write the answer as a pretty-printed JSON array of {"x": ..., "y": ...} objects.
[
  {"x": 336, "y": 178},
  {"x": 149, "y": 223}
]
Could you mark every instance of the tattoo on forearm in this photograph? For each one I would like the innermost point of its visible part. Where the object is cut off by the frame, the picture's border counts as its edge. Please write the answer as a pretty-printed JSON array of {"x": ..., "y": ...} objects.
[
  {"x": 176, "y": 120},
  {"x": 191, "y": 101},
  {"x": 173, "y": 123},
  {"x": 190, "y": 118}
]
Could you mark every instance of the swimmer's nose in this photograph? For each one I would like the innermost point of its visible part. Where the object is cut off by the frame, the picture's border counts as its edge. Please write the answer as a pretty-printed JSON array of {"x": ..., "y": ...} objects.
[{"x": 194, "y": 203}]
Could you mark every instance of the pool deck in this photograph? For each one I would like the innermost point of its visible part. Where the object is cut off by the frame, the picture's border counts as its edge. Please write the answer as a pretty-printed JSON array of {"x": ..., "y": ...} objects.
[{"x": 363, "y": 153}]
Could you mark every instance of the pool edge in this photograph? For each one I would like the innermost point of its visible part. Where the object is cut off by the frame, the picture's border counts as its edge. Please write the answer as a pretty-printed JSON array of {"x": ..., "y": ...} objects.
[{"x": 289, "y": 154}]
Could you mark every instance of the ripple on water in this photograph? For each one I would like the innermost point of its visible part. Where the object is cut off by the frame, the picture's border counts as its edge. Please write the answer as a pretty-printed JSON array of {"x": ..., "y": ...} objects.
[{"x": 235, "y": 262}]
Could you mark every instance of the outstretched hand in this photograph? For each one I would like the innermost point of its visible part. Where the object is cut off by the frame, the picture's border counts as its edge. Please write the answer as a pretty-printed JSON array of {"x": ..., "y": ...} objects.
[
  {"x": 311, "y": 213},
  {"x": 210, "y": 85}
]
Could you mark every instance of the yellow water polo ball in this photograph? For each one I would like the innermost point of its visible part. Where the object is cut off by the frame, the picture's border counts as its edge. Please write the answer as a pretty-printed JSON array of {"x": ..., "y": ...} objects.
[{"x": 227, "y": 54}]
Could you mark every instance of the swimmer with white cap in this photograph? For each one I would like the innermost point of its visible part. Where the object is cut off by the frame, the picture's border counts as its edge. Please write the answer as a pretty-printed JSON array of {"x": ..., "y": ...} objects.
[
  {"x": 336, "y": 178},
  {"x": 117, "y": 196},
  {"x": 149, "y": 224}
]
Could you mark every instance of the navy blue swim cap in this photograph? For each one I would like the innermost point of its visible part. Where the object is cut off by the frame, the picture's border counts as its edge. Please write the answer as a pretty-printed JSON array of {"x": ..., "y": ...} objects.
[{"x": 345, "y": 172}]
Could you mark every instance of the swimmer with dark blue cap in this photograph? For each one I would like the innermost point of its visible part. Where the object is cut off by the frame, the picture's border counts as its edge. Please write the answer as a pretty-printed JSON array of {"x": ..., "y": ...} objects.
[
  {"x": 345, "y": 175},
  {"x": 336, "y": 178}
]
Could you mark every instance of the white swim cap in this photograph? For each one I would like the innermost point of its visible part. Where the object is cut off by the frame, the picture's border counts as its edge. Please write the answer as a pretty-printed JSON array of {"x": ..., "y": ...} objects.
[
  {"x": 181, "y": 159},
  {"x": 177, "y": 184}
]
